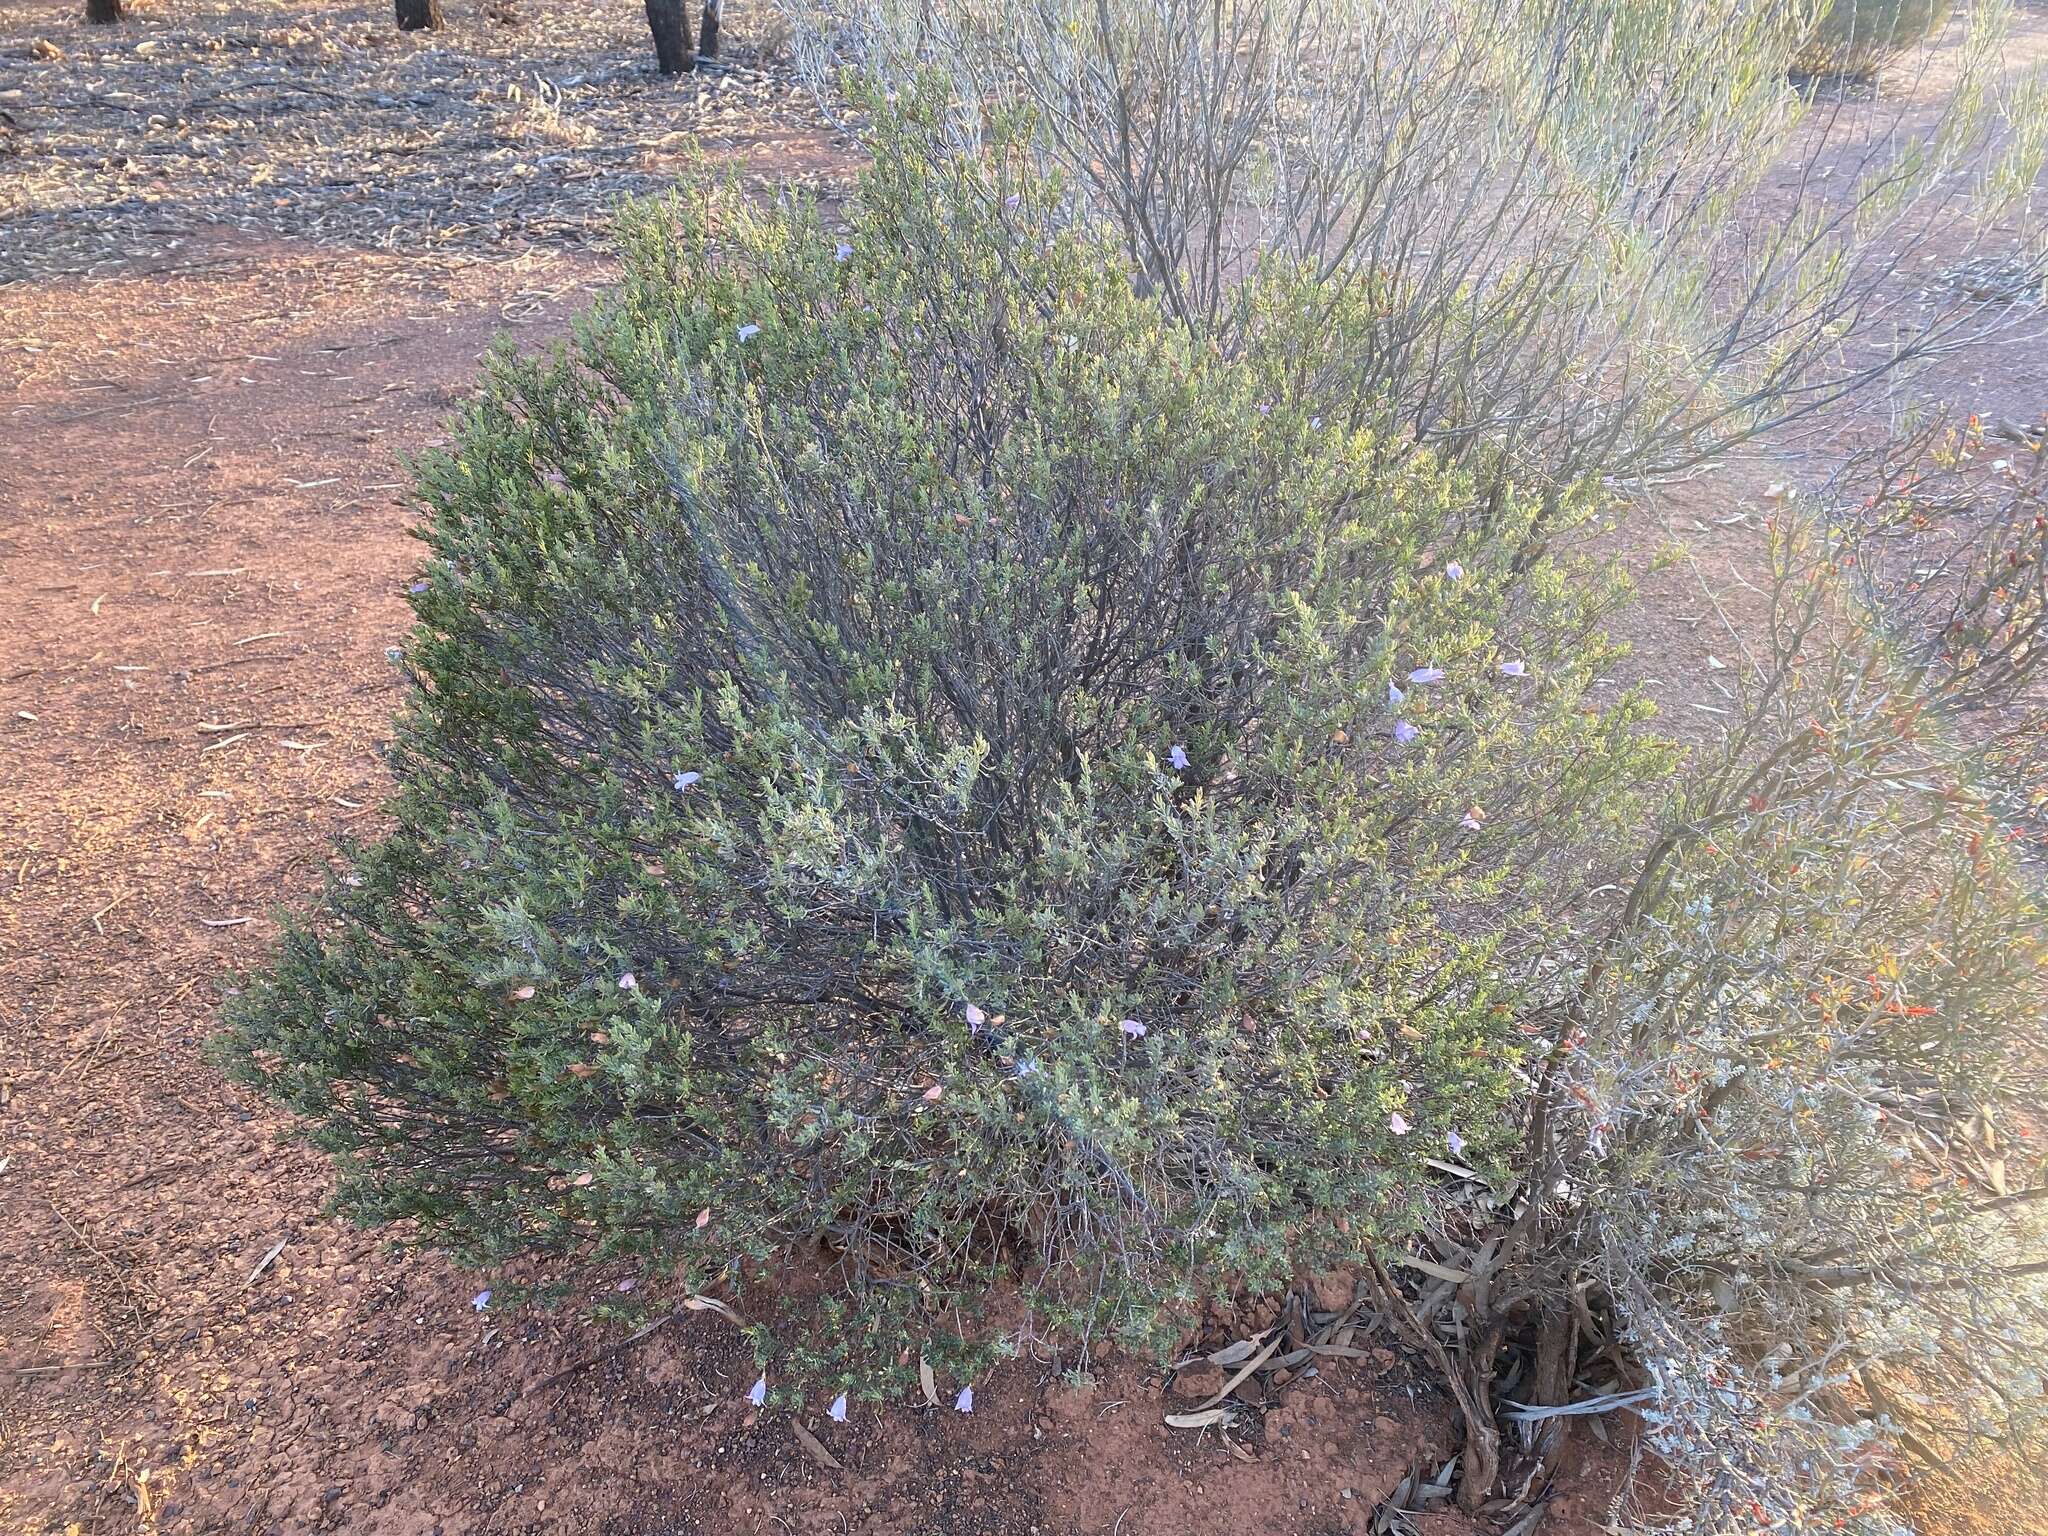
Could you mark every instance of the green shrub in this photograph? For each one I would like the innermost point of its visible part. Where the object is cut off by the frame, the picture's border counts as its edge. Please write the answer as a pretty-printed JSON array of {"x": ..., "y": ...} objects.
[
  {"x": 901, "y": 751},
  {"x": 1853, "y": 37}
]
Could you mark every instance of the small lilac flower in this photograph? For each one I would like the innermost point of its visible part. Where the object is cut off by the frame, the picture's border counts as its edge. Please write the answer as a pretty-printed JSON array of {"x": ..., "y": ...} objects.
[
  {"x": 1012, "y": 200},
  {"x": 1513, "y": 669},
  {"x": 1426, "y": 675},
  {"x": 843, "y": 252},
  {"x": 1398, "y": 1124},
  {"x": 1454, "y": 571},
  {"x": 686, "y": 779},
  {"x": 1178, "y": 757},
  {"x": 1395, "y": 697},
  {"x": 1455, "y": 1142},
  {"x": 758, "y": 1393},
  {"x": 480, "y": 1300},
  {"x": 628, "y": 1284},
  {"x": 837, "y": 1412},
  {"x": 975, "y": 1018},
  {"x": 1027, "y": 1068},
  {"x": 417, "y": 587},
  {"x": 1265, "y": 407},
  {"x": 1132, "y": 1028},
  {"x": 1471, "y": 819},
  {"x": 964, "y": 1403},
  {"x": 1315, "y": 423},
  {"x": 629, "y": 982},
  {"x": 749, "y": 332},
  {"x": 1404, "y": 732}
]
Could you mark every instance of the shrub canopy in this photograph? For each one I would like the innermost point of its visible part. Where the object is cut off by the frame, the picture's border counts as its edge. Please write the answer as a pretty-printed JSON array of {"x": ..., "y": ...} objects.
[
  {"x": 914, "y": 745},
  {"x": 909, "y": 746}
]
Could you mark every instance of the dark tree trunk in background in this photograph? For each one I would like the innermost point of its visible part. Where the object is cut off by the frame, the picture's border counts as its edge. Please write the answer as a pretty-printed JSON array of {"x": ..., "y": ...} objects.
[
  {"x": 671, "y": 37},
  {"x": 102, "y": 12},
  {"x": 707, "y": 35},
  {"x": 418, "y": 15}
]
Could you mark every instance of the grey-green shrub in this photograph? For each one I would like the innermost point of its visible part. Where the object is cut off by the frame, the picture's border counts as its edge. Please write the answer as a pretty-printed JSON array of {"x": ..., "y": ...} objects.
[
  {"x": 1609, "y": 235},
  {"x": 1794, "y": 1134},
  {"x": 903, "y": 749}
]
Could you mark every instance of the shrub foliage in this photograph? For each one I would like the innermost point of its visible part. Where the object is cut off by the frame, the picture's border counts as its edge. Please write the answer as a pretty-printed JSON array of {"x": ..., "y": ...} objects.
[
  {"x": 917, "y": 742},
  {"x": 1608, "y": 237},
  {"x": 1799, "y": 1105},
  {"x": 910, "y": 746}
]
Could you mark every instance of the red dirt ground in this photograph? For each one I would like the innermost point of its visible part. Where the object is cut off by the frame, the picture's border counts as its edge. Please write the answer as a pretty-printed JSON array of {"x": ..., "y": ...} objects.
[{"x": 203, "y": 534}]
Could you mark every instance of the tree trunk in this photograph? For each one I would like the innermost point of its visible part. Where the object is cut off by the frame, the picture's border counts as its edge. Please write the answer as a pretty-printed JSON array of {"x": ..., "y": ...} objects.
[
  {"x": 1550, "y": 1386},
  {"x": 671, "y": 38},
  {"x": 1470, "y": 1381},
  {"x": 103, "y": 12},
  {"x": 707, "y": 35},
  {"x": 1479, "y": 1464},
  {"x": 419, "y": 15}
]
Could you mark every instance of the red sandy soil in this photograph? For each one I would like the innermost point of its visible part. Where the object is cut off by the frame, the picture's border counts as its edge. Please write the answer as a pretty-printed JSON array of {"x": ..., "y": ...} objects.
[{"x": 203, "y": 532}]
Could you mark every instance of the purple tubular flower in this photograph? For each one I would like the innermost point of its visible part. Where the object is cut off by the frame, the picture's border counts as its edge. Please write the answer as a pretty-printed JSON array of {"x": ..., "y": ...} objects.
[
  {"x": 758, "y": 1393},
  {"x": 1513, "y": 669},
  {"x": 1178, "y": 757},
  {"x": 1404, "y": 732},
  {"x": 964, "y": 1403},
  {"x": 1426, "y": 675},
  {"x": 1132, "y": 1028},
  {"x": 837, "y": 1412}
]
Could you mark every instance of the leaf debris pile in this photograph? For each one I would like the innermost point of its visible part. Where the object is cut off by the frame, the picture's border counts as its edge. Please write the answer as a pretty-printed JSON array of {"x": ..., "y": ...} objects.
[{"x": 336, "y": 127}]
